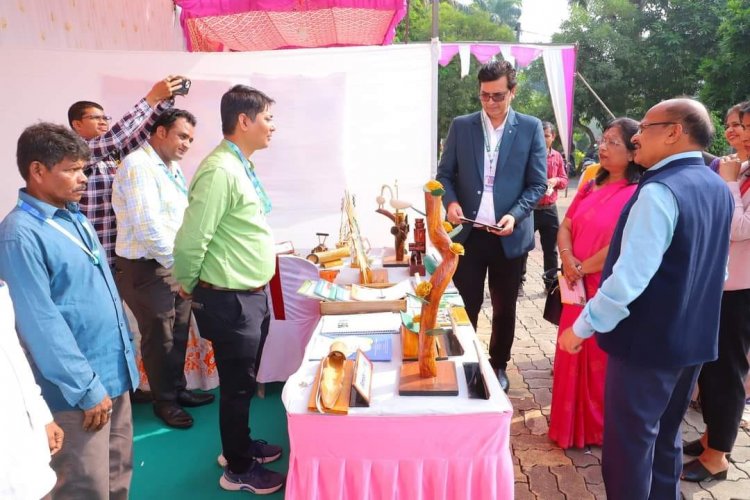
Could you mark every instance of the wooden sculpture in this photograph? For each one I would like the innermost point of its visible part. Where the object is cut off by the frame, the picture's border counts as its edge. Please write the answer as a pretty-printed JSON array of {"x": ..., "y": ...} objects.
[
  {"x": 400, "y": 229},
  {"x": 417, "y": 249},
  {"x": 438, "y": 378}
]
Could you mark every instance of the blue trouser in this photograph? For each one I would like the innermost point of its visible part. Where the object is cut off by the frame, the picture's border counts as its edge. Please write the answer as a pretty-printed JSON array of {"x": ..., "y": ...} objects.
[{"x": 643, "y": 409}]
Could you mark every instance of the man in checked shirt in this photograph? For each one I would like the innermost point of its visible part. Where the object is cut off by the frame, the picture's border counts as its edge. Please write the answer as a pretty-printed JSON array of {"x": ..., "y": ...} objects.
[{"x": 109, "y": 145}]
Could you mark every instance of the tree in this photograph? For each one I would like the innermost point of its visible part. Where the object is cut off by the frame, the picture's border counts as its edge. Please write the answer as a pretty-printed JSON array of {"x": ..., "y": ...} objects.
[
  {"x": 456, "y": 96},
  {"x": 637, "y": 53},
  {"x": 727, "y": 72},
  {"x": 502, "y": 11}
]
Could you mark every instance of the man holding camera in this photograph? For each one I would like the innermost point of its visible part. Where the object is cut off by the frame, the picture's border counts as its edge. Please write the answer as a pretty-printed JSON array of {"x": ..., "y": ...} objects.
[
  {"x": 149, "y": 196},
  {"x": 109, "y": 145}
]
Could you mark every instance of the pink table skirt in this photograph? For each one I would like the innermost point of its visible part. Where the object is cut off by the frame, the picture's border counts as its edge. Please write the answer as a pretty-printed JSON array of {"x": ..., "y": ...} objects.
[{"x": 436, "y": 457}]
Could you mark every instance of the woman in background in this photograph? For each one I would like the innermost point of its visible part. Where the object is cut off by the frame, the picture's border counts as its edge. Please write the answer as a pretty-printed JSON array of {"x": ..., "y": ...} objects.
[
  {"x": 721, "y": 382},
  {"x": 577, "y": 415}
]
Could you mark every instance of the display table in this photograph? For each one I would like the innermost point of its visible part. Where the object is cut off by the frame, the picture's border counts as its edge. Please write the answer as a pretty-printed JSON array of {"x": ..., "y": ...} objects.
[{"x": 401, "y": 447}]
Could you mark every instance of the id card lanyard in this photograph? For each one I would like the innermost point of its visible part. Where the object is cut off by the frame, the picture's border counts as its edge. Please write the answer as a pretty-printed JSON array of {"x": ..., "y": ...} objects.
[
  {"x": 489, "y": 177},
  {"x": 177, "y": 178},
  {"x": 250, "y": 171},
  {"x": 92, "y": 253}
]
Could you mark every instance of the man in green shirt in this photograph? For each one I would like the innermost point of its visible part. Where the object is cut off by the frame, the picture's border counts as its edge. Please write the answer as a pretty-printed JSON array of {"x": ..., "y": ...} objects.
[{"x": 223, "y": 259}]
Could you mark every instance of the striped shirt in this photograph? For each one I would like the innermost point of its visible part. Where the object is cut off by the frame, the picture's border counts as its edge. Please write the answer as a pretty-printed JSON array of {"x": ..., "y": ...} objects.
[
  {"x": 149, "y": 199},
  {"x": 126, "y": 135}
]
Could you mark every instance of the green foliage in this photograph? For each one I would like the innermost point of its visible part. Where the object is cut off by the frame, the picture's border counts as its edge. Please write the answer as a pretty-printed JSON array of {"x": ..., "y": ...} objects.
[
  {"x": 456, "y": 96},
  {"x": 637, "y": 53},
  {"x": 727, "y": 71},
  {"x": 720, "y": 146}
]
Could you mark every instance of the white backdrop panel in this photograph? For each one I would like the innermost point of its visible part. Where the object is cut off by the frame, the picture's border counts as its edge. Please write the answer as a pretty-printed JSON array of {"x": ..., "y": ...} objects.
[{"x": 356, "y": 117}]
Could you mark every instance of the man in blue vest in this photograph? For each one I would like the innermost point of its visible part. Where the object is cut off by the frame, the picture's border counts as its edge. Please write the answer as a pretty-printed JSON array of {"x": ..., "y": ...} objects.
[{"x": 657, "y": 311}]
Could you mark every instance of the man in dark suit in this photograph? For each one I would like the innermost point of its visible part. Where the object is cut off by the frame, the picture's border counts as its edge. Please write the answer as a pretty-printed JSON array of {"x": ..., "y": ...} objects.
[
  {"x": 657, "y": 311},
  {"x": 494, "y": 170}
]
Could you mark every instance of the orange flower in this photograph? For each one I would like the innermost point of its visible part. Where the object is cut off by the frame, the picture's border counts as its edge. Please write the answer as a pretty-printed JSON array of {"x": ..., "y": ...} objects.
[
  {"x": 457, "y": 248},
  {"x": 447, "y": 226},
  {"x": 432, "y": 185},
  {"x": 423, "y": 289},
  {"x": 416, "y": 318}
]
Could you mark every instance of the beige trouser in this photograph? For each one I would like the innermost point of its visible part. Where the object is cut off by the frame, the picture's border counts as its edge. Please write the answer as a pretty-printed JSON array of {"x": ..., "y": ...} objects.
[{"x": 95, "y": 465}]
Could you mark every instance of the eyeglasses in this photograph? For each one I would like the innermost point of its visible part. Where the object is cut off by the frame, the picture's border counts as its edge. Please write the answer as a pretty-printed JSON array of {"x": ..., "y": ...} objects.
[
  {"x": 736, "y": 125},
  {"x": 608, "y": 143},
  {"x": 98, "y": 118},
  {"x": 644, "y": 126},
  {"x": 495, "y": 96}
]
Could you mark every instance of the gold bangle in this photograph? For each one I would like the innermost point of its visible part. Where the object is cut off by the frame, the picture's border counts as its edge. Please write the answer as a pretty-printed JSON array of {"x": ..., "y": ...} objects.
[{"x": 562, "y": 250}]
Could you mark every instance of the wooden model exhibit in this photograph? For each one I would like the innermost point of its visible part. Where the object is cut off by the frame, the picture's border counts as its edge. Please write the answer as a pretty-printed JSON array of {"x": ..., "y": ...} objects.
[{"x": 427, "y": 376}]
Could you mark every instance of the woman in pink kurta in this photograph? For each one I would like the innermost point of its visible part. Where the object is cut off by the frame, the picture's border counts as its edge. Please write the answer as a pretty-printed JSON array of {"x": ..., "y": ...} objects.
[{"x": 577, "y": 416}]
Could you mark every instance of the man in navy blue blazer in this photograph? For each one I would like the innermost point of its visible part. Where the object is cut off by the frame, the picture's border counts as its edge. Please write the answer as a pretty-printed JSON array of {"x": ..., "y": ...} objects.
[{"x": 494, "y": 170}]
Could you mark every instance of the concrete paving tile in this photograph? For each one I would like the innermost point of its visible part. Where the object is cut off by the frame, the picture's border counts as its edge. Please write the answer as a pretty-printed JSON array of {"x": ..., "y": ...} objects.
[
  {"x": 524, "y": 404},
  {"x": 571, "y": 484},
  {"x": 542, "y": 395},
  {"x": 522, "y": 492},
  {"x": 728, "y": 489},
  {"x": 581, "y": 458},
  {"x": 694, "y": 491},
  {"x": 543, "y": 483},
  {"x": 518, "y": 427},
  {"x": 532, "y": 442},
  {"x": 536, "y": 383},
  {"x": 591, "y": 474},
  {"x": 695, "y": 419},
  {"x": 541, "y": 363},
  {"x": 743, "y": 466},
  {"x": 536, "y": 422},
  {"x": 547, "y": 458},
  {"x": 536, "y": 374},
  {"x": 598, "y": 491},
  {"x": 741, "y": 453},
  {"x": 518, "y": 476}
]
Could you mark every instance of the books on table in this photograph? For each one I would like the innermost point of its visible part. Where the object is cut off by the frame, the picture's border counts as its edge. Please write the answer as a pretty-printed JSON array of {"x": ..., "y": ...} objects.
[{"x": 377, "y": 347}]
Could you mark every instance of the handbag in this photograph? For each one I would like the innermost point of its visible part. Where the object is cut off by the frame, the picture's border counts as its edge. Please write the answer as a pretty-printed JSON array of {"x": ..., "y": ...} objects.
[{"x": 553, "y": 304}]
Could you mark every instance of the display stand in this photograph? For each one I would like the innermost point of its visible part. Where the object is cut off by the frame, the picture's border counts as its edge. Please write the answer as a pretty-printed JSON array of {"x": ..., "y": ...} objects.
[{"x": 444, "y": 383}]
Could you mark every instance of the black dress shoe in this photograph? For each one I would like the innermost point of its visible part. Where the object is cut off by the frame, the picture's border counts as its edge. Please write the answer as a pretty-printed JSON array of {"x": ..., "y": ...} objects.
[
  {"x": 192, "y": 399},
  {"x": 173, "y": 415},
  {"x": 695, "y": 472},
  {"x": 139, "y": 397},
  {"x": 503, "y": 379}
]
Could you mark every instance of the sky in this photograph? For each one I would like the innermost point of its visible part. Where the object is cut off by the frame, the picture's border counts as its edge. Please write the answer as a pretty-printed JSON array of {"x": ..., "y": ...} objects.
[{"x": 541, "y": 18}]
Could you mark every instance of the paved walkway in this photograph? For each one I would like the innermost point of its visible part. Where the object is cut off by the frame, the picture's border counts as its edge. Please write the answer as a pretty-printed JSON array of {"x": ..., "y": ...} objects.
[{"x": 543, "y": 470}]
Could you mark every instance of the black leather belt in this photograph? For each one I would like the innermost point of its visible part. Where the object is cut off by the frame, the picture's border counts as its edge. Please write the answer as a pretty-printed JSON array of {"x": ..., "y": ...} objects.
[{"x": 204, "y": 284}]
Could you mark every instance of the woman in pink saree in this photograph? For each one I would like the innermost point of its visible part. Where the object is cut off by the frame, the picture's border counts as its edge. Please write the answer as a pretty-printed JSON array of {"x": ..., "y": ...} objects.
[{"x": 577, "y": 416}]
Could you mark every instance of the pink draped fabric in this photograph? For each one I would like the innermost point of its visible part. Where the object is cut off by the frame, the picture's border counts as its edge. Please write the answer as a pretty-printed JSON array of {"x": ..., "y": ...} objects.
[
  {"x": 436, "y": 458},
  {"x": 525, "y": 55},
  {"x": 484, "y": 52},
  {"x": 577, "y": 414},
  {"x": 243, "y": 25}
]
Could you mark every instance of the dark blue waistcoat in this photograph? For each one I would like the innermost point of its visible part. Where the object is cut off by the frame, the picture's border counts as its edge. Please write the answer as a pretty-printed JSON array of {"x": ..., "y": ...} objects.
[{"x": 675, "y": 321}]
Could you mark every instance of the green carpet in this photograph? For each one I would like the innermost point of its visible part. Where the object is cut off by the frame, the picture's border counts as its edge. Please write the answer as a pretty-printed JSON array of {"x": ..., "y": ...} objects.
[{"x": 171, "y": 463}]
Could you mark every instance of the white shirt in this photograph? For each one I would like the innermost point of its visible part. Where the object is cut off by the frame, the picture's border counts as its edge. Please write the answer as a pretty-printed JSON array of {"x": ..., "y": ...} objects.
[
  {"x": 486, "y": 213},
  {"x": 149, "y": 199},
  {"x": 24, "y": 452}
]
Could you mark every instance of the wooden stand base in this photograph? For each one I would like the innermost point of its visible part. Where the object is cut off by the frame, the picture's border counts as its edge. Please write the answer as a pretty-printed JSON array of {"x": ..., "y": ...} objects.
[
  {"x": 391, "y": 261},
  {"x": 445, "y": 384}
]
